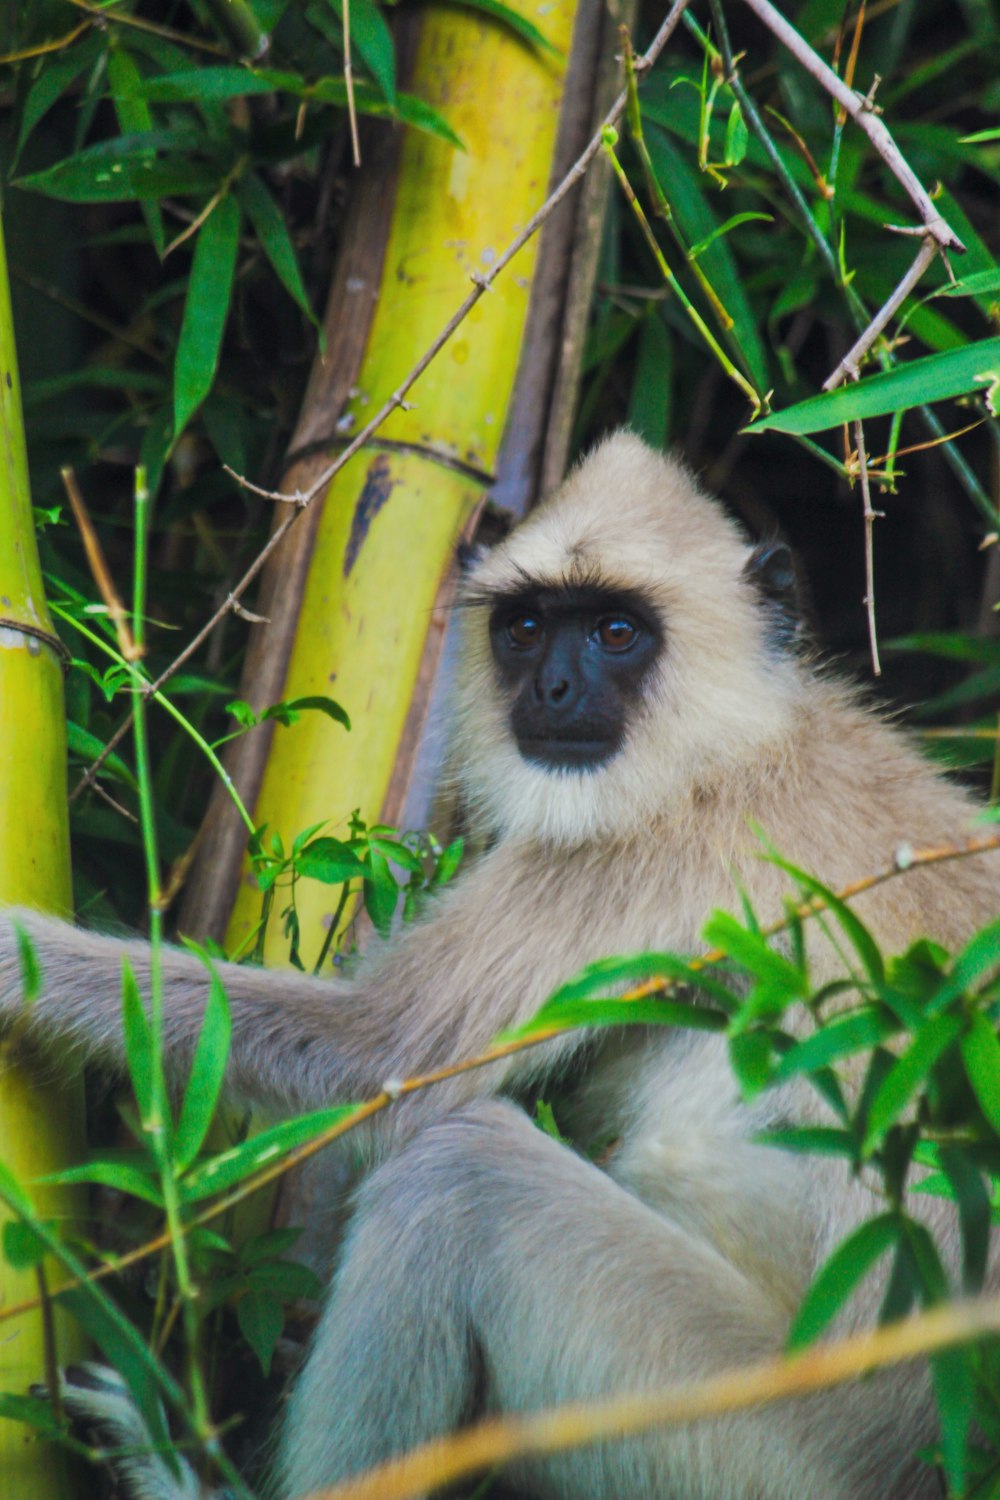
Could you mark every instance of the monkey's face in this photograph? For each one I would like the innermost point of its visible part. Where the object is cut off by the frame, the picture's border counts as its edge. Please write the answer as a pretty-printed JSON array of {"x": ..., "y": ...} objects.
[
  {"x": 621, "y": 648},
  {"x": 573, "y": 662}
]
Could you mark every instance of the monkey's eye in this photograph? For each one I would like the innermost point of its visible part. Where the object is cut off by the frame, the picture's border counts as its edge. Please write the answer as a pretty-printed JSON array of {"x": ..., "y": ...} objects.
[
  {"x": 616, "y": 632},
  {"x": 524, "y": 631}
]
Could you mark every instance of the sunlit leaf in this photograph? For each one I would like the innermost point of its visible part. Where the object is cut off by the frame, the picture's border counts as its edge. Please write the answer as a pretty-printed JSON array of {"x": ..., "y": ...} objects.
[{"x": 937, "y": 377}]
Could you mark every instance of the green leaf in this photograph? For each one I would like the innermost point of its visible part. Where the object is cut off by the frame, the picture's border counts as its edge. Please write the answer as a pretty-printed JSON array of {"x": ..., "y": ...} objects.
[
  {"x": 124, "y": 1175},
  {"x": 448, "y": 862},
  {"x": 518, "y": 23},
  {"x": 906, "y": 1075},
  {"x": 134, "y": 116},
  {"x": 969, "y": 1191},
  {"x": 206, "y": 309},
  {"x": 230, "y": 82},
  {"x": 372, "y": 40},
  {"x": 261, "y": 1318},
  {"x": 698, "y": 221},
  {"x": 849, "y": 1264},
  {"x": 272, "y": 232},
  {"x": 33, "y": 1410},
  {"x": 752, "y": 953},
  {"x": 138, "y": 1043},
  {"x": 601, "y": 1011},
  {"x": 981, "y": 1056},
  {"x": 81, "y": 742},
  {"x": 650, "y": 403},
  {"x": 735, "y": 149},
  {"x": 58, "y": 75},
  {"x": 639, "y": 968},
  {"x": 126, "y": 168},
  {"x": 317, "y": 701},
  {"x": 31, "y": 973},
  {"x": 750, "y": 1056},
  {"x": 204, "y": 1085},
  {"x": 219, "y": 83},
  {"x": 262, "y": 1150},
  {"x": 937, "y": 377},
  {"x": 860, "y": 938},
  {"x": 810, "y": 1140},
  {"x": 732, "y": 223},
  {"x": 329, "y": 860},
  {"x": 22, "y": 1247},
  {"x": 980, "y": 955},
  {"x": 842, "y": 1037},
  {"x": 954, "y": 1392},
  {"x": 381, "y": 892}
]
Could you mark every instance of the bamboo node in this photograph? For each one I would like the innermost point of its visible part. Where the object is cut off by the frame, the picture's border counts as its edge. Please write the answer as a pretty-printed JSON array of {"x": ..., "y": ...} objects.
[{"x": 49, "y": 638}]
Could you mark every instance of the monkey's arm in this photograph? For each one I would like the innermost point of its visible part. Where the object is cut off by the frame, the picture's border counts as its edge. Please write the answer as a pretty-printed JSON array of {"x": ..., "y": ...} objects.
[{"x": 438, "y": 994}]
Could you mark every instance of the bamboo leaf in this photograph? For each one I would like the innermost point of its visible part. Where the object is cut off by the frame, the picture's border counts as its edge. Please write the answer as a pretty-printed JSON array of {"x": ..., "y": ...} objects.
[
  {"x": 272, "y": 232},
  {"x": 134, "y": 116},
  {"x": 206, "y": 309},
  {"x": 514, "y": 20},
  {"x": 840, "y": 1038},
  {"x": 58, "y": 75},
  {"x": 262, "y": 1150},
  {"x": 138, "y": 1042},
  {"x": 204, "y": 1085},
  {"x": 261, "y": 1319},
  {"x": 126, "y": 168},
  {"x": 31, "y": 973},
  {"x": 732, "y": 223},
  {"x": 906, "y": 1075},
  {"x": 981, "y": 1056},
  {"x": 846, "y": 1268},
  {"x": 124, "y": 1176},
  {"x": 937, "y": 377},
  {"x": 650, "y": 1011},
  {"x": 372, "y": 39},
  {"x": 80, "y": 741}
]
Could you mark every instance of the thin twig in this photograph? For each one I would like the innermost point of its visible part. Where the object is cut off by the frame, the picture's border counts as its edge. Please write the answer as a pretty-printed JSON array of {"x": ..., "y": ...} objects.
[
  {"x": 352, "y": 113},
  {"x": 482, "y": 284},
  {"x": 851, "y": 363},
  {"x": 863, "y": 115},
  {"x": 99, "y": 567},
  {"x": 870, "y": 516}
]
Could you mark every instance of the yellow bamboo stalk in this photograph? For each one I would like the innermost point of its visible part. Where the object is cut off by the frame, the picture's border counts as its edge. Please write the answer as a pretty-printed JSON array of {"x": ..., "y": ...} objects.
[
  {"x": 392, "y": 517},
  {"x": 40, "y": 1123}
]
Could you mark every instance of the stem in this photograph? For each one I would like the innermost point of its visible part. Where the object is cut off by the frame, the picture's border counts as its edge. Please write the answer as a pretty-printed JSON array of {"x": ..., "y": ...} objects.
[
  {"x": 756, "y": 402},
  {"x": 157, "y": 1125},
  {"x": 345, "y": 891},
  {"x": 171, "y": 708}
]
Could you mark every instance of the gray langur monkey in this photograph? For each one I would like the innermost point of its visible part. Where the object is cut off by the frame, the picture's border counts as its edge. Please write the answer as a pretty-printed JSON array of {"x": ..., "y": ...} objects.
[{"x": 629, "y": 703}]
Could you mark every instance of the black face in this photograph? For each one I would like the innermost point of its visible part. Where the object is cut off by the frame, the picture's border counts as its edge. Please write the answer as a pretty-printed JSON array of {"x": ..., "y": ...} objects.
[{"x": 574, "y": 661}]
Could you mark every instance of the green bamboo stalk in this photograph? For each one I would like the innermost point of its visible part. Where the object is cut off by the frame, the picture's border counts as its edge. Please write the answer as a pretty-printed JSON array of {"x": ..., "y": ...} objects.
[{"x": 40, "y": 1123}]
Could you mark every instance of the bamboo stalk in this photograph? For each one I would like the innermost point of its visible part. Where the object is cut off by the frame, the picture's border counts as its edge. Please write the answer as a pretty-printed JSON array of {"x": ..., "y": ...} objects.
[
  {"x": 391, "y": 519},
  {"x": 41, "y": 1121}
]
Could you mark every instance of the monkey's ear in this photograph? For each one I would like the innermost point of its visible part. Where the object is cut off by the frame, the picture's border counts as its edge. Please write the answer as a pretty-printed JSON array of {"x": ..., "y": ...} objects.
[{"x": 771, "y": 569}]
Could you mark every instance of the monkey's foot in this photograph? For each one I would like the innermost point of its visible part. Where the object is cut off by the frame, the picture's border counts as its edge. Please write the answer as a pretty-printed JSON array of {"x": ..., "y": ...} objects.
[{"x": 99, "y": 1404}]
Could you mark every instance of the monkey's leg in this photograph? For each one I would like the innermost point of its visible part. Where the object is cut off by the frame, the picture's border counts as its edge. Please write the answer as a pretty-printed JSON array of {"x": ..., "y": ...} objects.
[{"x": 490, "y": 1269}]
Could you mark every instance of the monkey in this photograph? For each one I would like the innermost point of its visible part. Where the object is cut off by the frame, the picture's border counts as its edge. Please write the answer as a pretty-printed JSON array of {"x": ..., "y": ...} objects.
[{"x": 632, "y": 701}]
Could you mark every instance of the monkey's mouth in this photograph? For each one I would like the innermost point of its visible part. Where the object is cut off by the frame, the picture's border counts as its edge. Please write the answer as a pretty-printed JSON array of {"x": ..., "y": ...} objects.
[{"x": 567, "y": 752}]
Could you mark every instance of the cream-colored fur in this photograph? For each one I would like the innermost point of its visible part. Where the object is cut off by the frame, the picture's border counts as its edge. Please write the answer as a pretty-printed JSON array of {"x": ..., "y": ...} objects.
[{"x": 488, "y": 1268}]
